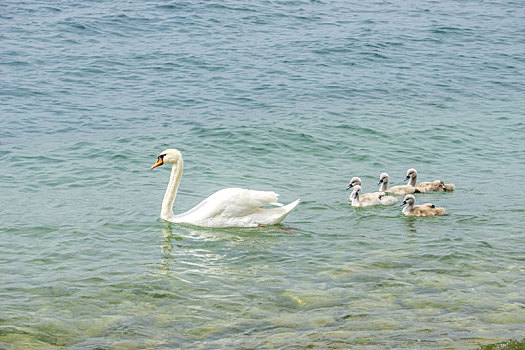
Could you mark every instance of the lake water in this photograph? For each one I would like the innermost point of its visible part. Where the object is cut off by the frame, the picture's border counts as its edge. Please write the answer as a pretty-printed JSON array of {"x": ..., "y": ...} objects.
[{"x": 291, "y": 96}]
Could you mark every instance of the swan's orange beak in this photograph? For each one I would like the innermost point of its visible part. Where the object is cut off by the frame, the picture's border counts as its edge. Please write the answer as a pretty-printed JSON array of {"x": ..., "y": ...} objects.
[{"x": 159, "y": 163}]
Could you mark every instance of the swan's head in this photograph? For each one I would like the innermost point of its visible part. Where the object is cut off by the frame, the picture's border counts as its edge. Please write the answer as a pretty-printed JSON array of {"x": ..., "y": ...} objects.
[
  {"x": 383, "y": 178},
  {"x": 354, "y": 182},
  {"x": 409, "y": 199},
  {"x": 169, "y": 156},
  {"x": 356, "y": 192},
  {"x": 411, "y": 174}
]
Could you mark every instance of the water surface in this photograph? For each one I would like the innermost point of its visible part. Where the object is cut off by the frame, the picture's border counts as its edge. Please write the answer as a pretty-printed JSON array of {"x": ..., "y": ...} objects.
[{"x": 295, "y": 97}]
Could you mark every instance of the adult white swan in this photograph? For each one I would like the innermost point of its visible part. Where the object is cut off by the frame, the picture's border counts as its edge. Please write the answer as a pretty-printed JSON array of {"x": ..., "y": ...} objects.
[{"x": 230, "y": 207}]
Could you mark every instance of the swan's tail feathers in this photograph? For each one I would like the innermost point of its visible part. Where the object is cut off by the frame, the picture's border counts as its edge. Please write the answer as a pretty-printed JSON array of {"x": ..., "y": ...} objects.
[
  {"x": 290, "y": 206},
  {"x": 287, "y": 209},
  {"x": 274, "y": 216}
]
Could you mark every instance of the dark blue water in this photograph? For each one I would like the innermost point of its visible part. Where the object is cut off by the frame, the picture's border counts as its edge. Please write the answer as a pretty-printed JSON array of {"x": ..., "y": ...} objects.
[{"x": 295, "y": 97}]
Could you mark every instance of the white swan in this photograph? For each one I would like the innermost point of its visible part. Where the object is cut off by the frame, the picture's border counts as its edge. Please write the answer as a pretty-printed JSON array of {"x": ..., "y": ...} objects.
[
  {"x": 229, "y": 207},
  {"x": 397, "y": 190},
  {"x": 434, "y": 186},
  {"x": 420, "y": 210},
  {"x": 370, "y": 199}
]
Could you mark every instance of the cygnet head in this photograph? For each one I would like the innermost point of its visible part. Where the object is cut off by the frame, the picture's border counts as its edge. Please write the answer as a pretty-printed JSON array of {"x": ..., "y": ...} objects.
[
  {"x": 383, "y": 178},
  {"x": 356, "y": 192},
  {"x": 409, "y": 199},
  {"x": 411, "y": 174},
  {"x": 354, "y": 182},
  {"x": 169, "y": 156}
]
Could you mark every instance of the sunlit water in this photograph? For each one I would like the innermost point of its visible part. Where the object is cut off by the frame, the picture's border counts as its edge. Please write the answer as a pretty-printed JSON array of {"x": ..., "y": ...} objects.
[{"x": 295, "y": 97}]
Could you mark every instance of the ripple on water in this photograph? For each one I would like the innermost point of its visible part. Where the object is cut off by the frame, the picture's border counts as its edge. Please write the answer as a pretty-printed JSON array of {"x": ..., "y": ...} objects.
[{"x": 287, "y": 96}]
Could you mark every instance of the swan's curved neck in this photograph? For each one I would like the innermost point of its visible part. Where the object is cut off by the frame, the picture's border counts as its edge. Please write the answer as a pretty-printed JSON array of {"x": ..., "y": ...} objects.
[
  {"x": 384, "y": 186},
  {"x": 356, "y": 200},
  {"x": 412, "y": 181},
  {"x": 166, "y": 212},
  {"x": 408, "y": 208}
]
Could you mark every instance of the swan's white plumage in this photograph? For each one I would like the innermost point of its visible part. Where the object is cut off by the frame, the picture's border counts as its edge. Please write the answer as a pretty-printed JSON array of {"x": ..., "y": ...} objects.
[
  {"x": 236, "y": 207},
  {"x": 229, "y": 207}
]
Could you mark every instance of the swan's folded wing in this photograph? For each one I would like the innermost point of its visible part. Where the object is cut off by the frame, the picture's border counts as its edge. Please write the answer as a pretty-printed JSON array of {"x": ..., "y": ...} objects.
[
  {"x": 427, "y": 209},
  {"x": 434, "y": 186},
  {"x": 371, "y": 196},
  {"x": 236, "y": 207},
  {"x": 387, "y": 200},
  {"x": 420, "y": 210},
  {"x": 403, "y": 189},
  {"x": 238, "y": 202},
  {"x": 235, "y": 202}
]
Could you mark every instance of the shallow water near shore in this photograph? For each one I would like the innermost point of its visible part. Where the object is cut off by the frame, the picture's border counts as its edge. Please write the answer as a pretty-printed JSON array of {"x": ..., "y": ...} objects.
[{"x": 294, "y": 97}]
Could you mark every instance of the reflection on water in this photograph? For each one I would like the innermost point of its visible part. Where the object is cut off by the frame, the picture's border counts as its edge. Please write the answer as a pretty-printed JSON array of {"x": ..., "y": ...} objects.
[
  {"x": 410, "y": 222},
  {"x": 213, "y": 251},
  {"x": 167, "y": 247}
]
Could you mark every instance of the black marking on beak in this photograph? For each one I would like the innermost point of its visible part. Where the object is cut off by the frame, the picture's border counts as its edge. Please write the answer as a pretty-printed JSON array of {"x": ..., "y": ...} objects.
[
  {"x": 380, "y": 181},
  {"x": 404, "y": 202},
  {"x": 407, "y": 178},
  {"x": 349, "y": 187},
  {"x": 160, "y": 161}
]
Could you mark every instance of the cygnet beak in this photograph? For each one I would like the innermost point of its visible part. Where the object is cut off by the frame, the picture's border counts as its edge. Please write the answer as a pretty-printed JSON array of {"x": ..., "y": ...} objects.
[
  {"x": 380, "y": 181},
  {"x": 349, "y": 187}
]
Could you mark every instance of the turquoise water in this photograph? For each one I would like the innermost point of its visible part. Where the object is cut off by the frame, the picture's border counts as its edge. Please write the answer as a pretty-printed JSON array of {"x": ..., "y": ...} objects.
[{"x": 295, "y": 97}]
